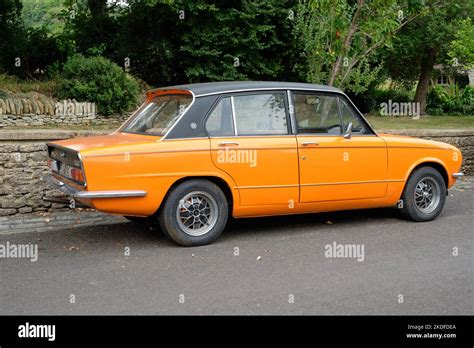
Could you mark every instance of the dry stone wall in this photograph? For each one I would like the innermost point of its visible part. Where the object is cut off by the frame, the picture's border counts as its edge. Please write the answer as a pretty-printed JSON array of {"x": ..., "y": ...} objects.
[
  {"x": 22, "y": 168},
  {"x": 38, "y": 110},
  {"x": 23, "y": 165}
]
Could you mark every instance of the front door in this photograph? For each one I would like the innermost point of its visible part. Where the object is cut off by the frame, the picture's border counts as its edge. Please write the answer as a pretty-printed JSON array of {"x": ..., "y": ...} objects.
[
  {"x": 332, "y": 167},
  {"x": 251, "y": 141}
]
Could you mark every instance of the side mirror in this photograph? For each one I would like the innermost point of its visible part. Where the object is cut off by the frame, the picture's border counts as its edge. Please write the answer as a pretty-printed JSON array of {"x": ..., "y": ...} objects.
[{"x": 348, "y": 133}]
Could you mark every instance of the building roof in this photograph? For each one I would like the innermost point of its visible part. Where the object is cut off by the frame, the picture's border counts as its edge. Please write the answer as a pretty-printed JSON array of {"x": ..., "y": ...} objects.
[{"x": 207, "y": 88}]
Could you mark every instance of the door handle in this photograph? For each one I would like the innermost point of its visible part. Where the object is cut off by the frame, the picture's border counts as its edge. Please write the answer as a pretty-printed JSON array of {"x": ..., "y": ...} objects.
[
  {"x": 228, "y": 143},
  {"x": 306, "y": 143}
]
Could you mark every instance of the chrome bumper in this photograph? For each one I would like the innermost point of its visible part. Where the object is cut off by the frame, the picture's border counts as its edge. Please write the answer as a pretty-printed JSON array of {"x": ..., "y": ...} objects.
[
  {"x": 78, "y": 194},
  {"x": 457, "y": 175}
]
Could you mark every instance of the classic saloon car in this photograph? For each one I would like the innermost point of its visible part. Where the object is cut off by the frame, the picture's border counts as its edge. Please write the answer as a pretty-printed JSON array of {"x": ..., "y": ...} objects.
[{"x": 192, "y": 155}]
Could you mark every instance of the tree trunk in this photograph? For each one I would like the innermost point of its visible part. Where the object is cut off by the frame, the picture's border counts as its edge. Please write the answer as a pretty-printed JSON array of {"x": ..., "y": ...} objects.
[
  {"x": 97, "y": 7},
  {"x": 98, "y": 10},
  {"x": 423, "y": 85},
  {"x": 347, "y": 43}
]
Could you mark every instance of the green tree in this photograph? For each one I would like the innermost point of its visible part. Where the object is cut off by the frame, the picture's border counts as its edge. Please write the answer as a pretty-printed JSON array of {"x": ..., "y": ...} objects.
[
  {"x": 91, "y": 25},
  {"x": 341, "y": 38},
  {"x": 461, "y": 50},
  {"x": 43, "y": 14},
  {"x": 13, "y": 36},
  {"x": 439, "y": 36},
  {"x": 236, "y": 41}
]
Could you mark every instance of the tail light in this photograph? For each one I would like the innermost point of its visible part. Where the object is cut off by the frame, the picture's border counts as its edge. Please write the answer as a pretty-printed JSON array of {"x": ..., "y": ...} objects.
[
  {"x": 67, "y": 163},
  {"x": 77, "y": 175}
]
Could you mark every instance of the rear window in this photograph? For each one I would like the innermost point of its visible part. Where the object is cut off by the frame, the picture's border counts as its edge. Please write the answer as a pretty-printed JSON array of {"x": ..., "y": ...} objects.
[{"x": 158, "y": 115}]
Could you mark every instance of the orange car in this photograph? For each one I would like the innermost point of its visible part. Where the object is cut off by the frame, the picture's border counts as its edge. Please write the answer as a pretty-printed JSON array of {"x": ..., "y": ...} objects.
[{"x": 191, "y": 155}]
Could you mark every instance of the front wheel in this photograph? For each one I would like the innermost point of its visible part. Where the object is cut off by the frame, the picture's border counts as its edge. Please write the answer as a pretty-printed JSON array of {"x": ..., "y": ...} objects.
[
  {"x": 424, "y": 195},
  {"x": 195, "y": 213}
]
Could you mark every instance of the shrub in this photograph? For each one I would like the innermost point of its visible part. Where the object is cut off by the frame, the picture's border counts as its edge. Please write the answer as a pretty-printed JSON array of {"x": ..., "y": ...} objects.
[
  {"x": 374, "y": 97},
  {"x": 452, "y": 100},
  {"x": 96, "y": 79}
]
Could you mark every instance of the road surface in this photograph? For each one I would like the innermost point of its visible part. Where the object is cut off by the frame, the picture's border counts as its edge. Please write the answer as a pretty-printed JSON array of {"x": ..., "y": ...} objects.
[{"x": 276, "y": 265}]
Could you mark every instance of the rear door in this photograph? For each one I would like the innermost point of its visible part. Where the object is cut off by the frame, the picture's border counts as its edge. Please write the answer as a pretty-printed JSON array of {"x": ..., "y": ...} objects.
[{"x": 251, "y": 141}]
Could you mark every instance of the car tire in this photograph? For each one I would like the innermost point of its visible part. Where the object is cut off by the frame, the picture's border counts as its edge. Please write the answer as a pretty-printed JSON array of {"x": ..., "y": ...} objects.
[
  {"x": 194, "y": 213},
  {"x": 424, "y": 195}
]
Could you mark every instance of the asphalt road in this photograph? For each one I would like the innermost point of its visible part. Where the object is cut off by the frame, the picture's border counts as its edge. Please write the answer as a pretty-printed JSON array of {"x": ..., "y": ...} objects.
[{"x": 279, "y": 260}]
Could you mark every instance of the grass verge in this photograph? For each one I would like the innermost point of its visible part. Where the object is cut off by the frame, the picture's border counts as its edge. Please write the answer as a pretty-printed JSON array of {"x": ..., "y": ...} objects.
[{"x": 425, "y": 122}]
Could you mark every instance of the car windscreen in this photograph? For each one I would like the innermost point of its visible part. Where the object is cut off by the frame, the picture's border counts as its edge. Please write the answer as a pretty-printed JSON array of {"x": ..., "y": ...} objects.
[{"x": 158, "y": 115}]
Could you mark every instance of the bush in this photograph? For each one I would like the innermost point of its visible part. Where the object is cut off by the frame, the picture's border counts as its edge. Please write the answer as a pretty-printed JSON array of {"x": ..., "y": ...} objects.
[
  {"x": 372, "y": 98},
  {"x": 98, "y": 80},
  {"x": 452, "y": 101}
]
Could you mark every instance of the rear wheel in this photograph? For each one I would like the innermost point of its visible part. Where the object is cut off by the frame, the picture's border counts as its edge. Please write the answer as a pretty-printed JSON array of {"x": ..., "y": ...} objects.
[
  {"x": 195, "y": 213},
  {"x": 424, "y": 195}
]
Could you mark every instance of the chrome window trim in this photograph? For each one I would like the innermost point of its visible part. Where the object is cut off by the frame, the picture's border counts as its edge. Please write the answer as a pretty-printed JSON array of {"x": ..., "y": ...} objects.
[
  {"x": 253, "y": 136},
  {"x": 291, "y": 113},
  {"x": 234, "y": 120},
  {"x": 332, "y": 135},
  {"x": 283, "y": 89}
]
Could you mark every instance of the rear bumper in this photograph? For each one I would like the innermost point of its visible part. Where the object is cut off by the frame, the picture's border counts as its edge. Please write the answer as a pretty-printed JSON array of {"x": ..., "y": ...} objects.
[
  {"x": 457, "y": 175},
  {"x": 86, "y": 195}
]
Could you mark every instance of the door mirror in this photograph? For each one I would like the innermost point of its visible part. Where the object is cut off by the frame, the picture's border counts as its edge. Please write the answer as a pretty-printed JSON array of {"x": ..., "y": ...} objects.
[{"x": 348, "y": 133}]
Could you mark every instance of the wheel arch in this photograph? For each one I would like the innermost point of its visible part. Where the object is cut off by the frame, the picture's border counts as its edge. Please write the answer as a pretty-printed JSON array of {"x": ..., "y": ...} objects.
[
  {"x": 231, "y": 195},
  {"x": 433, "y": 163}
]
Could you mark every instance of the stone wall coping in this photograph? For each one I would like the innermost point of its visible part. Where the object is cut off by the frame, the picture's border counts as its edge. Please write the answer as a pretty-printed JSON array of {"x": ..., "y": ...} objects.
[
  {"x": 54, "y": 134},
  {"x": 46, "y": 134},
  {"x": 431, "y": 132}
]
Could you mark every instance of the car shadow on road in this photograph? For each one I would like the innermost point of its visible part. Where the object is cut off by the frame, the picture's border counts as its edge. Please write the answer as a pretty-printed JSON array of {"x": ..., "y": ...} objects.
[
  {"x": 129, "y": 233},
  {"x": 237, "y": 228},
  {"x": 313, "y": 220}
]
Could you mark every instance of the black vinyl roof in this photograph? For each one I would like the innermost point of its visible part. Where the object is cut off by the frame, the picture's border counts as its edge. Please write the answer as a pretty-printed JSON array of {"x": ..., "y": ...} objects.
[{"x": 206, "y": 88}]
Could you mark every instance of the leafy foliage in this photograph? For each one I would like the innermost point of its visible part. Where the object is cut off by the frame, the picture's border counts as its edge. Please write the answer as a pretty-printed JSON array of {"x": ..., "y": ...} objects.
[
  {"x": 340, "y": 38},
  {"x": 353, "y": 44},
  {"x": 99, "y": 80},
  {"x": 372, "y": 98},
  {"x": 13, "y": 36},
  {"x": 247, "y": 41},
  {"x": 43, "y": 14},
  {"x": 461, "y": 50},
  {"x": 198, "y": 41},
  {"x": 451, "y": 101}
]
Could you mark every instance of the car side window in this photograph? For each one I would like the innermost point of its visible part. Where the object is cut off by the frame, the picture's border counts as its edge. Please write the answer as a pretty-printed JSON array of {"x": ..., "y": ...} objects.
[
  {"x": 220, "y": 123},
  {"x": 349, "y": 115},
  {"x": 260, "y": 114},
  {"x": 317, "y": 114}
]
